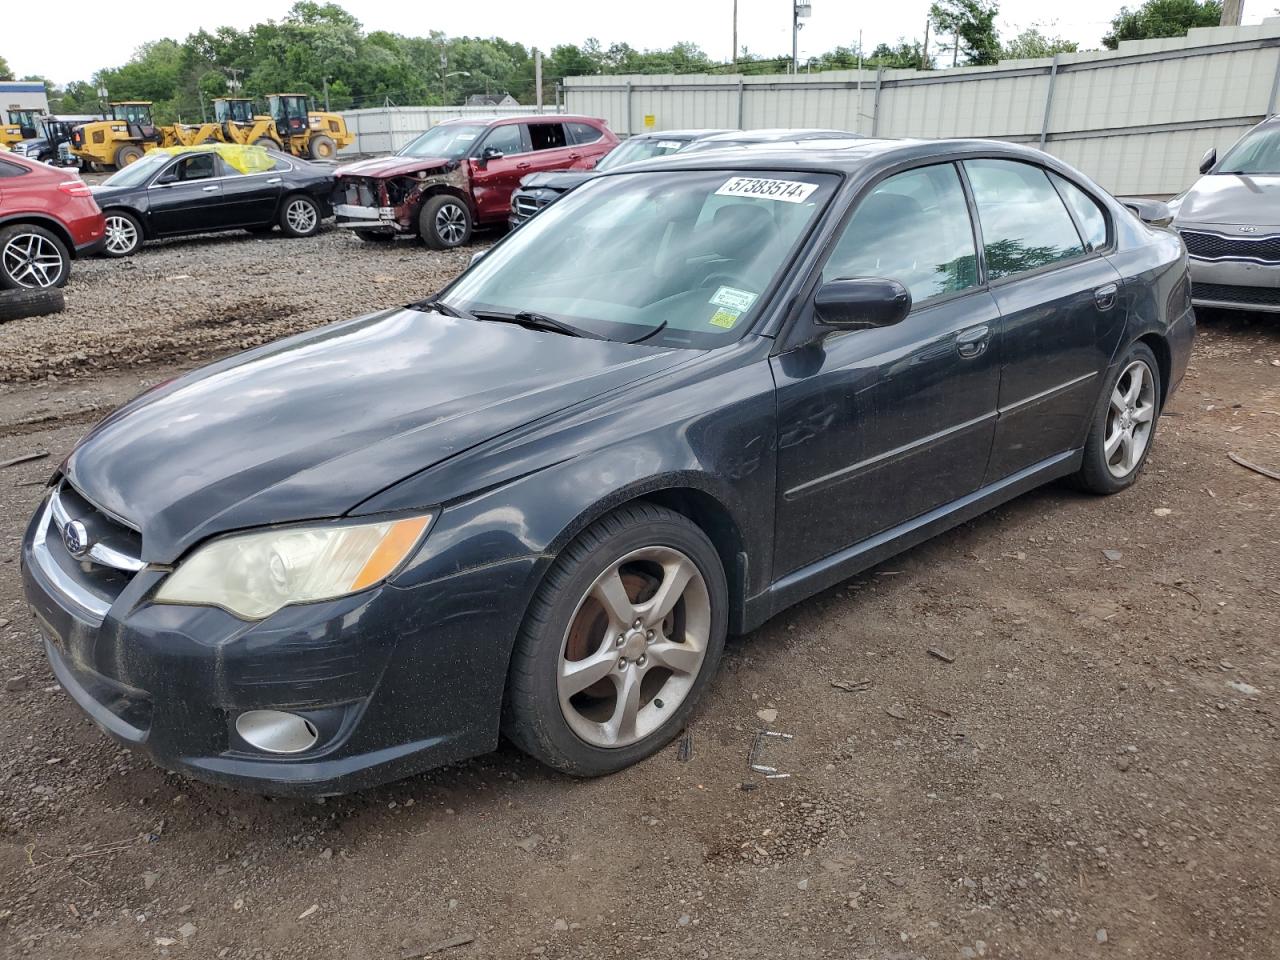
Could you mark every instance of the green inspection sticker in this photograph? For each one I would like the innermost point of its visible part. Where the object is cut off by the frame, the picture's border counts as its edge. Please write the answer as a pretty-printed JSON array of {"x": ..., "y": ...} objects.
[
  {"x": 734, "y": 299},
  {"x": 724, "y": 318}
]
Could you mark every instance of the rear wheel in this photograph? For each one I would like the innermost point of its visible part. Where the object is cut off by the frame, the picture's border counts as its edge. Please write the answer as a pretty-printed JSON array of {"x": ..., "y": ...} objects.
[
  {"x": 124, "y": 234},
  {"x": 322, "y": 147},
  {"x": 127, "y": 154},
  {"x": 266, "y": 142},
  {"x": 1124, "y": 425},
  {"x": 619, "y": 643},
  {"x": 445, "y": 222},
  {"x": 300, "y": 216},
  {"x": 32, "y": 257}
]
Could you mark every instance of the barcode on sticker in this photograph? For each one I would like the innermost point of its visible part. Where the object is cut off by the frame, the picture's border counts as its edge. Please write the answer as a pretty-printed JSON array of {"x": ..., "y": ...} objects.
[{"x": 789, "y": 191}]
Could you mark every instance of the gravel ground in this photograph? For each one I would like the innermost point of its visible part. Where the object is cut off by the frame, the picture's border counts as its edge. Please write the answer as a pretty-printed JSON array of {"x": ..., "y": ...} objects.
[{"x": 1092, "y": 775}]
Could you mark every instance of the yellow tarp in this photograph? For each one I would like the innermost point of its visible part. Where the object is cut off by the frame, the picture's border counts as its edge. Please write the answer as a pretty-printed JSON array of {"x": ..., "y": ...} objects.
[{"x": 247, "y": 158}]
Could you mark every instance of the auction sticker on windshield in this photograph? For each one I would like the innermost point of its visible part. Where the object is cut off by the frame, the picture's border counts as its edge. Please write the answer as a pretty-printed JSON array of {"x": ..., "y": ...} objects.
[
  {"x": 789, "y": 191},
  {"x": 734, "y": 298}
]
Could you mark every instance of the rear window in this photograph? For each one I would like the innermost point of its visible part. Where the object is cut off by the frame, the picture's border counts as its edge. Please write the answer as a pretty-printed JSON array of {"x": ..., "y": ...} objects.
[
  {"x": 583, "y": 133},
  {"x": 547, "y": 136},
  {"x": 8, "y": 169}
]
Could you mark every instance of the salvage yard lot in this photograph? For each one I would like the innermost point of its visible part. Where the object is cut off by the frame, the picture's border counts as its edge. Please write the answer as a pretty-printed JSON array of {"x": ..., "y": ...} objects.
[{"x": 1092, "y": 774}]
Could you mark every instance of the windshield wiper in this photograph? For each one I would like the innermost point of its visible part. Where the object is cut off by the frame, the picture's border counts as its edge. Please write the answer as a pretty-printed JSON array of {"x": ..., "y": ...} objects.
[
  {"x": 448, "y": 310},
  {"x": 535, "y": 321},
  {"x": 652, "y": 333}
]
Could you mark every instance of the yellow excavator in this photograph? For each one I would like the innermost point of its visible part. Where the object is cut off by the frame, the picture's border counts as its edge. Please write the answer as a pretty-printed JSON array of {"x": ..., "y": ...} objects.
[
  {"x": 288, "y": 125},
  {"x": 120, "y": 140}
]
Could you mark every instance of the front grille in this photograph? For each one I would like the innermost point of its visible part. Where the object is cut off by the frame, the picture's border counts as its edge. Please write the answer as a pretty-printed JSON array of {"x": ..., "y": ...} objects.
[
  {"x": 1228, "y": 293},
  {"x": 526, "y": 205},
  {"x": 20, "y": 149},
  {"x": 1214, "y": 246}
]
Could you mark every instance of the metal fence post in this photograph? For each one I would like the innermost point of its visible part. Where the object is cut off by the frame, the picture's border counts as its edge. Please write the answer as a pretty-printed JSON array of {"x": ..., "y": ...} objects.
[
  {"x": 1275, "y": 88},
  {"x": 628, "y": 108},
  {"x": 875, "y": 104},
  {"x": 1048, "y": 101},
  {"x": 742, "y": 96}
]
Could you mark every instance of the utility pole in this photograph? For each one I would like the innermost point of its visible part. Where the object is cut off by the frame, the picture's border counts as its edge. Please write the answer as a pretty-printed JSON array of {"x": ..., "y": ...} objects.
[
  {"x": 735, "y": 35},
  {"x": 924, "y": 51},
  {"x": 800, "y": 10},
  {"x": 326, "y": 94},
  {"x": 1232, "y": 10},
  {"x": 537, "y": 77}
]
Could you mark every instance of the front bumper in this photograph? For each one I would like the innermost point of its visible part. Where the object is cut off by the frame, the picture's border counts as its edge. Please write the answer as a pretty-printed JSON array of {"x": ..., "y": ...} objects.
[
  {"x": 394, "y": 680},
  {"x": 1235, "y": 284}
]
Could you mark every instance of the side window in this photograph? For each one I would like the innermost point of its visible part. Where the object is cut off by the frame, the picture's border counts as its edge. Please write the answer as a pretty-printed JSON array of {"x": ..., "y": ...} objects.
[
  {"x": 582, "y": 133},
  {"x": 198, "y": 166},
  {"x": 913, "y": 227},
  {"x": 1093, "y": 222},
  {"x": 1024, "y": 223},
  {"x": 8, "y": 169},
  {"x": 505, "y": 138},
  {"x": 547, "y": 136}
]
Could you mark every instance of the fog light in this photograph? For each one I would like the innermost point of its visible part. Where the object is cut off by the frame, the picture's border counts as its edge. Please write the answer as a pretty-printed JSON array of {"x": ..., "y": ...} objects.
[{"x": 276, "y": 732}]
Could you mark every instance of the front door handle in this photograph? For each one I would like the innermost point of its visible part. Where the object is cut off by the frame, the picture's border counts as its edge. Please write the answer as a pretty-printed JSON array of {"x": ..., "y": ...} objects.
[
  {"x": 209, "y": 189},
  {"x": 973, "y": 342},
  {"x": 522, "y": 165},
  {"x": 1105, "y": 296},
  {"x": 575, "y": 156},
  {"x": 274, "y": 180}
]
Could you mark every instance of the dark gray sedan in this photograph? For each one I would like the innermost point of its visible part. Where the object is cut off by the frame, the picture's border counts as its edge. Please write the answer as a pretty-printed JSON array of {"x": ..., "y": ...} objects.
[{"x": 691, "y": 393}]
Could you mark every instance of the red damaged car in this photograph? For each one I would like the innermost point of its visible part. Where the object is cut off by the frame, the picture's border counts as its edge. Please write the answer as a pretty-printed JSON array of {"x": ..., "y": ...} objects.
[{"x": 461, "y": 173}]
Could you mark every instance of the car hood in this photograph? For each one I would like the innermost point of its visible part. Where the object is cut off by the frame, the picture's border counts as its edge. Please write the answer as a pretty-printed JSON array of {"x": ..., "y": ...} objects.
[
  {"x": 311, "y": 426},
  {"x": 383, "y": 167},
  {"x": 1230, "y": 199},
  {"x": 40, "y": 142},
  {"x": 559, "y": 180}
]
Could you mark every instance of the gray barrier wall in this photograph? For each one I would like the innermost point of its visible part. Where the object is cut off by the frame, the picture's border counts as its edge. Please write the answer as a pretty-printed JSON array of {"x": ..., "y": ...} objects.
[{"x": 387, "y": 129}]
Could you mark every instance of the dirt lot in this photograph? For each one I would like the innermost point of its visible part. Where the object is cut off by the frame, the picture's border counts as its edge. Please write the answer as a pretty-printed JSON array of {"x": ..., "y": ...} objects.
[{"x": 1094, "y": 775}]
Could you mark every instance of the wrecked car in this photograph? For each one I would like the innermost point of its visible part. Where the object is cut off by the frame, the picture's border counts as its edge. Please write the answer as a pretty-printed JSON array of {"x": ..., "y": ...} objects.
[{"x": 460, "y": 174}]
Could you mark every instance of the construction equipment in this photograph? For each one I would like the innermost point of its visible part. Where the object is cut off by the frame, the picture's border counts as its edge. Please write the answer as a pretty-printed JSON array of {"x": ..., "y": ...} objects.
[
  {"x": 22, "y": 125},
  {"x": 120, "y": 140},
  {"x": 287, "y": 126}
]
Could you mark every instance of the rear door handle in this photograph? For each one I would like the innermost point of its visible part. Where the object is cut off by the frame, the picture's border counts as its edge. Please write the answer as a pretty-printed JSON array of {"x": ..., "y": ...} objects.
[
  {"x": 973, "y": 342},
  {"x": 575, "y": 156},
  {"x": 209, "y": 189},
  {"x": 1105, "y": 296}
]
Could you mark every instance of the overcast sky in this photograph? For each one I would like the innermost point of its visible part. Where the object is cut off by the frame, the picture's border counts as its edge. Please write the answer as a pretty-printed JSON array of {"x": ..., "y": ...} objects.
[{"x": 89, "y": 35}]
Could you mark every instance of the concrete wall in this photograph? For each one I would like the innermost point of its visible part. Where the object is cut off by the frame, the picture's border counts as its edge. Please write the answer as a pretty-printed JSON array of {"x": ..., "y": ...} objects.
[
  {"x": 1136, "y": 119},
  {"x": 387, "y": 129}
]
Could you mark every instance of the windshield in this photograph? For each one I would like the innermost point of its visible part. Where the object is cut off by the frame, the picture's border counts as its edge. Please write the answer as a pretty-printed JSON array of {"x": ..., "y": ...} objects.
[
  {"x": 624, "y": 254},
  {"x": 1257, "y": 153},
  {"x": 138, "y": 172},
  {"x": 634, "y": 150},
  {"x": 449, "y": 140}
]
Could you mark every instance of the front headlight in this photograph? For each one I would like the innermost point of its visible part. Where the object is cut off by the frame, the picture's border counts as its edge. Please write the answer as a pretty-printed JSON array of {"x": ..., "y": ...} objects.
[{"x": 255, "y": 574}]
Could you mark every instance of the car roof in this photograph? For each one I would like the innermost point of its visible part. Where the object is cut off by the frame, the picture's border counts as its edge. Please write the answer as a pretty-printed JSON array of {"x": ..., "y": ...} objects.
[
  {"x": 695, "y": 134},
  {"x": 527, "y": 117},
  {"x": 839, "y": 156},
  {"x": 780, "y": 134}
]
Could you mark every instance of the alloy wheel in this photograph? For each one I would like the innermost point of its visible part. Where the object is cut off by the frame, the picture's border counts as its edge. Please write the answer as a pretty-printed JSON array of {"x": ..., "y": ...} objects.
[
  {"x": 301, "y": 216},
  {"x": 451, "y": 223},
  {"x": 1130, "y": 418},
  {"x": 634, "y": 647},
  {"x": 32, "y": 261},
  {"x": 122, "y": 236}
]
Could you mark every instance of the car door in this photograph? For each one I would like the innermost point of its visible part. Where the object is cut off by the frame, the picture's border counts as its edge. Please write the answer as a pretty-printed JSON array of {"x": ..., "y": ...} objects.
[
  {"x": 1060, "y": 309},
  {"x": 881, "y": 425},
  {"x": 501, "y": 158},
  {"x": 552, "y": 147},
  {"x": 252, "y": 199},
  {"x": 186, "y": 196}
]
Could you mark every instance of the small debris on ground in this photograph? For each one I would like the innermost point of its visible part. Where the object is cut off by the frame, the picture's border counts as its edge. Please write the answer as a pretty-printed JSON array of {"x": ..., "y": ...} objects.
[
  {"x": 309, "y": 911},
  {"x": 852, "y": 686},
  {"x": 1112, "y": 555},
  {"x": 768, "y": 716},
  {"x": 24, "y": 458},
  {"x": 1265, "y": 471},
  {"x": 529, "y": 843},
  {"x": 896, "y": 710},
  {"x": 684, "y": 752},
  {"x": 461, "y": 940},
  {"x": 1239, "y": 686},
  {"x": 939, "y": 654}
]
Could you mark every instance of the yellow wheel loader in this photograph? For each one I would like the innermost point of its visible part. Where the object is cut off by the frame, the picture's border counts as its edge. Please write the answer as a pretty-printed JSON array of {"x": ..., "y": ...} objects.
[
  {"x": 288, "y": 126},
  {"x": 122, "y": 139},
  {"x": 22, "y": 125}
]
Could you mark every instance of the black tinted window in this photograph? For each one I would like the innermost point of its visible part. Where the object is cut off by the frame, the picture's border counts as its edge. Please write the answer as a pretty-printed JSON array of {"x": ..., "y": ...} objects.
[
  {"x": 546, "y": 136},
  {"x": 8, "y": 169},
  {"x": 505, "y": 139},
  {"x": 200, "y": 166},
  {"x": 914, "y": 228},
  {"x": 583, "y": 133},
  {"x": 1024, "y": 223},
  {"x": 1093, "y": 222}
]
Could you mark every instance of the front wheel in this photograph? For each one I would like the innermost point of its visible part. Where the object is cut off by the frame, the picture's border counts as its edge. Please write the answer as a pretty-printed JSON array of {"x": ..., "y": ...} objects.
[
  {"x": 1124, "y": 425},
  {"x": 618, "y": 644},
  {"x": 124, "y": 234},
  {"x": 300, "y": 216},
  {"x": 445, "y": 222},
  {"x": 321, "y": 147}
]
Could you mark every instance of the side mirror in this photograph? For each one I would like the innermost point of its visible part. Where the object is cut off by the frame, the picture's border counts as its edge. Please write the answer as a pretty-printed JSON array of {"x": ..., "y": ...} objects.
[
  {"x": 1209, "y": 159},
  {"x": 165, "y": 179},
  {"x": 855, "y": 304},
  {"x": 1154, "y": 212},
  {"x": 492, "y": 153}
]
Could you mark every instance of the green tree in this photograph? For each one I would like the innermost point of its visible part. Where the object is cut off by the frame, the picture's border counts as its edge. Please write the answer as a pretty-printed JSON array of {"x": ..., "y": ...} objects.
[
  {"x": 1032, "y": 43},
  {"x": 5, "y": 72},
  {"x": 1162, "y": 18},
  {"x": 972, "y": 26}
]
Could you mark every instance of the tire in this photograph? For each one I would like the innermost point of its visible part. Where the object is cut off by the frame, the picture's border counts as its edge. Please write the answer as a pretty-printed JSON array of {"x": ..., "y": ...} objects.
[
  {"x": 266, "y": 142},
  {"x": 299, "y": 216},
  {"x": 321, "y": 147},
  {"x": 16, "y": 304},
  {"x": 124, "y": 234},
  {"x": 32, "y": 257},
  {"x": 586, "y": 733},
  {"x": 1131, "y": 408},
  {"x": 127, "y": 154},
  {"x": 444, "y": 222},
  {"x": 373, "y": 236}
]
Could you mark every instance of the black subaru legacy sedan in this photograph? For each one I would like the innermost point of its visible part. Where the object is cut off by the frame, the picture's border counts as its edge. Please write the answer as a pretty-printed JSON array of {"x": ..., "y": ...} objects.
[{"x": 691, "y": 393}]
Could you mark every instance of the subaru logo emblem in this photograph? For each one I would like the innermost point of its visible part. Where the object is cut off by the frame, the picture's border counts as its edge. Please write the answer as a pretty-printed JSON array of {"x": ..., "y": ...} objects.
[{"x": 75, "y": 538}]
